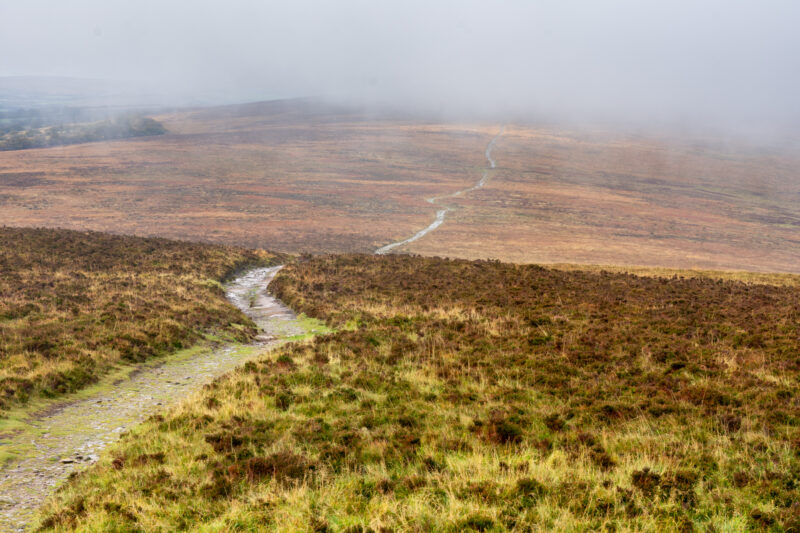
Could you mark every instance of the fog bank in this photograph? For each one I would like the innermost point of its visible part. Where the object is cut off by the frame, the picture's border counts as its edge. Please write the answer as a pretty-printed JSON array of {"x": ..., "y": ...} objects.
[{"x": 730, "y": 64}]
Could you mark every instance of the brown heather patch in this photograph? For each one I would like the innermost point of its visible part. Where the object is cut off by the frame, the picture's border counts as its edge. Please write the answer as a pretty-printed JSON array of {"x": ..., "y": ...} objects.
[
  {"x": 74, "y": 304},
  {"x": 480, "y": 396}
]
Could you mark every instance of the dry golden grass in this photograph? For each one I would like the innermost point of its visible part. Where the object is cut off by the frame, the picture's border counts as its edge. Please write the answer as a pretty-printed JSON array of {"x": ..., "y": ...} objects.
[{"x": 758, "y": 278}]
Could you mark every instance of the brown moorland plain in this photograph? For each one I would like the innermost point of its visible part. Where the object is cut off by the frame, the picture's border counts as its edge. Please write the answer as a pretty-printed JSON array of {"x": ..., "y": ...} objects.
[
  {"x": 298, "y": 176},
  {"x": 303, "y": 176},
  {"x": 601, "y": 198}
]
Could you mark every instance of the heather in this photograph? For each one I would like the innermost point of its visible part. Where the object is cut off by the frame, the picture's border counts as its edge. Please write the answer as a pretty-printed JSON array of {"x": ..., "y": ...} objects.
[{"x": 479, "y": 396}]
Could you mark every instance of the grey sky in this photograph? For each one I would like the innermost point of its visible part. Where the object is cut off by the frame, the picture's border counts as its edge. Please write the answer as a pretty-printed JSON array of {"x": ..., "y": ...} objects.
[{"x": 723, "y": 61}]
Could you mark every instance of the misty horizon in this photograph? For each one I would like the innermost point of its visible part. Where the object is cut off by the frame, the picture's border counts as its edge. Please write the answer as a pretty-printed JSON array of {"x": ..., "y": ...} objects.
[{"x": 730, "y": 66}]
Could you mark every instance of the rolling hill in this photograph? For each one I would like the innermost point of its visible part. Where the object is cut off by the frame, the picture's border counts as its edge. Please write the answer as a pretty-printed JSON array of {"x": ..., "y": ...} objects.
[{"x": 299, "y": 175}]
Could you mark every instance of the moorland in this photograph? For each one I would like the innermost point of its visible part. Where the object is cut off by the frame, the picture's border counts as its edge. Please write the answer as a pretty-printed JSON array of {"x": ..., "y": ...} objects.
[
  {"x": 76, "y": 304},
  {"x": 452, "y": 394},
  {"x": 299, "y": 176},
  {"x": 479, "y": 396}
]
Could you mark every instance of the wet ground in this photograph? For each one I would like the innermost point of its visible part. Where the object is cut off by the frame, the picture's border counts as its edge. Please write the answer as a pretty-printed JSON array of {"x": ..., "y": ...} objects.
[{"x": 69, "y": 435}]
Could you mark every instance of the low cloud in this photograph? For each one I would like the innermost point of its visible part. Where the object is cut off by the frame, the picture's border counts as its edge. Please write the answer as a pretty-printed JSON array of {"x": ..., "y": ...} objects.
[{"x": 733, "y": 63}]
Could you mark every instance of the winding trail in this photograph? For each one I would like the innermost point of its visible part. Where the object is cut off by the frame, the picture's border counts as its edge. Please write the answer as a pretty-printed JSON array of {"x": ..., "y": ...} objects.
[
  {"x": 442, "y": 213},
  {"x": 70, "y": 434}
]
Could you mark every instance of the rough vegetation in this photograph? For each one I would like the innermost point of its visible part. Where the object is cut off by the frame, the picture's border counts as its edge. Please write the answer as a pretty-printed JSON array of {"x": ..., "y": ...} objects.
[
  {"x": 73, "y": 304},
  {"x": 58, "y": 135},
  {"x": 300, "y": 175},
  {"x": 479, "y": 396}
]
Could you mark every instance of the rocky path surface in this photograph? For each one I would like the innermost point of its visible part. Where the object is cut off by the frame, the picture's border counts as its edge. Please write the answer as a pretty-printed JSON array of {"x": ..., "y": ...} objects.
[
  {"x": 442, "y": 213},
  {"x": 70, "y": 434}
]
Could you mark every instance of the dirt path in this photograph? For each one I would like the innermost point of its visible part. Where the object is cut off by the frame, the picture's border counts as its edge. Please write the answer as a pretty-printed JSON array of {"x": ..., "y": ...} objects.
[
  {"x": 69, "y": 435},
  {"x": 442, "y": 213}
]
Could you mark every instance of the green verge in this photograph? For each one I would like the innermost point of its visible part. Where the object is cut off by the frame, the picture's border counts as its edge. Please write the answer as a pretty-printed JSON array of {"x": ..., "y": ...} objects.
[
  {"x": 478, "y": 396},
  {"x": 20, "y": 421}
]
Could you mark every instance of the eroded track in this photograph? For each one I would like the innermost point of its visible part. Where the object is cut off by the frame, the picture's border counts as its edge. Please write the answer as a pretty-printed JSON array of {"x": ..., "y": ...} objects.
[{"x": 70, "y": 434}]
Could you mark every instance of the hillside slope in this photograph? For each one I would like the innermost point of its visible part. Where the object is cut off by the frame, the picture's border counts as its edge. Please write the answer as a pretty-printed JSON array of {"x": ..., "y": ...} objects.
[
  {"x": 74, "y": 304},
  {"x": 479, "y": 396}
]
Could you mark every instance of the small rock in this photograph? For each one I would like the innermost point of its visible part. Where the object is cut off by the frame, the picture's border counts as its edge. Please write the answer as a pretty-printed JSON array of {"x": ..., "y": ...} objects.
[{"x": 67, "y": 460}]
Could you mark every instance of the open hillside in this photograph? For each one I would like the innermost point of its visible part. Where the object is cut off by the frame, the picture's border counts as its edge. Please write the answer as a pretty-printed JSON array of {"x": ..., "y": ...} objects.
[
  {"x": 74, "y": 304},
  {"x": 479, "y": 396},
  {"x": 304, "y": 176}
]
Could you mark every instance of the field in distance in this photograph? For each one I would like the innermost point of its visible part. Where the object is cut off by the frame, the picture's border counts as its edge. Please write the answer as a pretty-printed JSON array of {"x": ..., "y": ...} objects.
[{"x": 303, "y": 176}]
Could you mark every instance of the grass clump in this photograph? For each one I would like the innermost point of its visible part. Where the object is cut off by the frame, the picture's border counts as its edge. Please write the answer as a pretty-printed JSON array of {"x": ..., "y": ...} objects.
[
  {"x": 479, "y": 396},
  {"x": 74, "y": 304}
]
